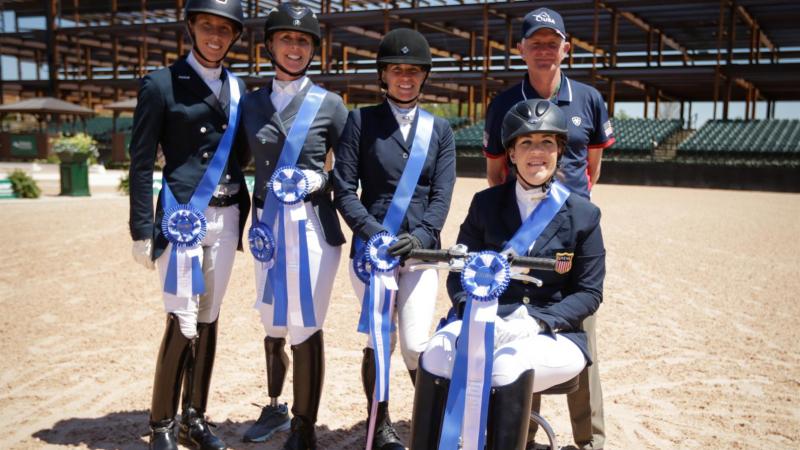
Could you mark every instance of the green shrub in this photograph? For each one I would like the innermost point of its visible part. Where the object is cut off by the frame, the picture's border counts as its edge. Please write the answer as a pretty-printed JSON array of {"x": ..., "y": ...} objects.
[
  {"x": 124, "y": 184},
  {"x": 24, "y": 185}
]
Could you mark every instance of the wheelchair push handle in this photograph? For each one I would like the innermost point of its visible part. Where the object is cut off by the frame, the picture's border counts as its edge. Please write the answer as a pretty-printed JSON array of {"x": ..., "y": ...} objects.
[
  {"x": 530, "y": 262},
  {"x": 460, "y": 252}
]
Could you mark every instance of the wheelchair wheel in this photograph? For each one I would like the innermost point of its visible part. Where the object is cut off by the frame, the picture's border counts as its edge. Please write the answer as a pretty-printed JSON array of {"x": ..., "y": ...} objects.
[{"x": 551, "y": 436}]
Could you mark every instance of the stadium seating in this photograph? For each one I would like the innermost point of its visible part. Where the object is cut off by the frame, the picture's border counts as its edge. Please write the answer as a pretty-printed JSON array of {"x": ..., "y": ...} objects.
[
  {"x": 738, "y": 139},
  {"x": 638, "y": 137},
  {"x": 469, "y": 140}
]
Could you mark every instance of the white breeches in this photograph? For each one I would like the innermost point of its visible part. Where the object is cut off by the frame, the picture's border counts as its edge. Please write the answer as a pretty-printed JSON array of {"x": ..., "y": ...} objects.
[
  {"x": 414, "y": 307},
  {"x": 219, "y": 249},
  {"x": 554, "y": 361},
  {"x": 323, "y": 261}
]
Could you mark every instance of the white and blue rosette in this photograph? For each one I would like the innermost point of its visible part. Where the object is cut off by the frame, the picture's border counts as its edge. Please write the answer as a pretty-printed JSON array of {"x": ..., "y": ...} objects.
[
  {"x": 289, "y": 184},
  {"x": 382, "y": 287},
  {"x": 262, "y": 243},
  {"x": 362, "y": 266},
  {"x": 184, "y": 225},
  {"x": 377, "y": 252},
  {"x": 485, "y": 277}
]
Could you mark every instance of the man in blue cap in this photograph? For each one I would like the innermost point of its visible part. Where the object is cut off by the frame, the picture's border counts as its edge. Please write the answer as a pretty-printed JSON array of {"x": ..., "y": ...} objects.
[{"x": 543, "y": 45}]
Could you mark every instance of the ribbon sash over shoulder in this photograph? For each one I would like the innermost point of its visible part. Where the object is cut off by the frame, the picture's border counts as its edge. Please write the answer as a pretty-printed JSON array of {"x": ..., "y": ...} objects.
[
  {"x": 184, "y": 225},
  {"x": 289, "y": 275}
]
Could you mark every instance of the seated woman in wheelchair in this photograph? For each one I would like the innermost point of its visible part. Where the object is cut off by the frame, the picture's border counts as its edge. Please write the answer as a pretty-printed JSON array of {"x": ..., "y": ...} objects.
[{"x": 538, "y": 342}]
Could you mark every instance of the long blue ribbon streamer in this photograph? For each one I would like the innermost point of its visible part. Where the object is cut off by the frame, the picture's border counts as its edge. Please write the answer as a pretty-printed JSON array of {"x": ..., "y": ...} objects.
[
  {"x": 402, "y": 194},
  {"x": 452, "y": 427},
  {"x": 204, "y": 190},
  {"x": 276, "y": 276},
  {"x": 392, "y": 221}
]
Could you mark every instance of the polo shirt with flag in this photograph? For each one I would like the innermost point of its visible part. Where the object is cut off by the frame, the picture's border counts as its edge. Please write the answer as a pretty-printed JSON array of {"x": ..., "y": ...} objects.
[{"x": 588, "y": 126}]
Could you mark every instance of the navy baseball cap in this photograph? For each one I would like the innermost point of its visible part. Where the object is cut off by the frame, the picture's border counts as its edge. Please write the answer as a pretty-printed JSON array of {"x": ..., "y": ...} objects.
[{"x": 543, "y": 18}]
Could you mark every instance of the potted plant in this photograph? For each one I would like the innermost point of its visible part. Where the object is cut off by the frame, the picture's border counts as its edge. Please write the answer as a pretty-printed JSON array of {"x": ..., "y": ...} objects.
[
  {"x": 76, "y": 148},
  {"x": 73, "y": 153}
]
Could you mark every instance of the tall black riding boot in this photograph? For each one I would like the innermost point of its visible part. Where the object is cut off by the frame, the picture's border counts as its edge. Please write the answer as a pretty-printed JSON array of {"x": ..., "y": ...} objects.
[
  {"x": 194, "y": 431},
  {"x": 413, "y": 375},
  {"x": 175, "y": 349},
  {"x": 430, "y": 399},
  {"x": 385, "y": 436},
  {"x": 274, "y": 417},
  {"x": 509, "y": 414},
  {"x": 308, "y": 374}
]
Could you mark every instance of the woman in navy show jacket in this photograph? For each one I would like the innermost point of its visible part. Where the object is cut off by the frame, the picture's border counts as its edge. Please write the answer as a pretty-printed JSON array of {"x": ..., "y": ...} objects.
[
  {"x": 538, "y": 338},
  {"x": 372, "y": 152}
]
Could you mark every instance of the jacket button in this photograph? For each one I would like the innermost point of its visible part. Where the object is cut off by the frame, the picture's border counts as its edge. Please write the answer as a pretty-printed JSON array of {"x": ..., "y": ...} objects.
[
  {"x": 266, "y": 163},
  {"x": 203, "y": 130},
  {"x": 526, "y": 300},
  {"x": 227, "y": 177},
  {"x": 224, "y": 126},
  {"x": 263, "y": 141},
  {"x": 405, "y": 155},
  {"x": 205, "y": 154}
]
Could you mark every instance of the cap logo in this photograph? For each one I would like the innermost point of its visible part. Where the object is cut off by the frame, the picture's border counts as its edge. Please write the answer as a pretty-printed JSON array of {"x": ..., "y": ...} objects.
[
  {"x": 296, "y": 22},
  {"x": 297, "y": 12},
  {"x": 404, "y": 50},
  {"x": 544, "y": 17},
  {"x": 576, "y": 120}
]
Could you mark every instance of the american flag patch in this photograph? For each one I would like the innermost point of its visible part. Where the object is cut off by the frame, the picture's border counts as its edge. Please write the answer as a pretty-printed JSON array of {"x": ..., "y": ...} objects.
[
  {"x": 607, "y": 128},
  {"x": 563, "y": 262}
]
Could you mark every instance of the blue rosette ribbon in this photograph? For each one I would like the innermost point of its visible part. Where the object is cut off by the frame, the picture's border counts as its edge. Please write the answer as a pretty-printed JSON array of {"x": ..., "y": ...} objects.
[
  {"x": 262, "y": 242},
  {"x": 284, "y": 253},
  {"x": 485, "y": 277},
  {"x": 185, "y": 227},
  {"x": 381, "y": 290},
  {"x": 289, "y": 184}
]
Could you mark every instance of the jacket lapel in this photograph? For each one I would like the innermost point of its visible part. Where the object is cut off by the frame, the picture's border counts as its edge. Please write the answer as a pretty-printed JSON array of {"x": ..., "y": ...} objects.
[
  {"x": 189, "y": 78},
  {"x": 294, "y": 106},
  {"x": 510, "y": 211},
  {"x": 391, "y": 124},
  {"x": 225, "y": 94},
  {"x": 550, "y": 230}
]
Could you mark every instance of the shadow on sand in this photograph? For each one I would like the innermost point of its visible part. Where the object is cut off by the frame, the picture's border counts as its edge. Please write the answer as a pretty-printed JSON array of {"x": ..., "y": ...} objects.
[{"x": 127, "y": 430}]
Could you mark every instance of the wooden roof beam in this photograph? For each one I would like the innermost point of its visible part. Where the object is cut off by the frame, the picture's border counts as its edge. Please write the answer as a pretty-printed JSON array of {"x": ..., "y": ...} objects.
[
  {"x": 645, "y": 26},
  {"x": 753, "y": 23}
]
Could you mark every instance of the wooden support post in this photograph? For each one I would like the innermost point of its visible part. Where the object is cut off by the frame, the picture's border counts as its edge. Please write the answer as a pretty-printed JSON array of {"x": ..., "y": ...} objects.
[
  {"x": 509, "y": 43},
  {"x": 614, "y": 37},
  {"x": 88, "y": 62},
  {"x": 612, "y": 94},
  {"x": 717, "y": 72},
  {"x": 595, "y": 39},
  {"x": 728, "y": 91},
  {"x": 145, "y": 50},
  {"x": 658, "y": 104}
]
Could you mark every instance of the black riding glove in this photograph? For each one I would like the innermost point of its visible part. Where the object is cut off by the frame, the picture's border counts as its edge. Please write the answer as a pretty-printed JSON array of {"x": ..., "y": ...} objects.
[{"x": 405, "y": 243}]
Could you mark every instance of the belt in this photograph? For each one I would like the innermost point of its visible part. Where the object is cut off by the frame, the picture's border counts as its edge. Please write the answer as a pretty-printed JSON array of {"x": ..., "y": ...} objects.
[
  {"x": 226, "y": 200},
  {"x": 259, "y": 203}
]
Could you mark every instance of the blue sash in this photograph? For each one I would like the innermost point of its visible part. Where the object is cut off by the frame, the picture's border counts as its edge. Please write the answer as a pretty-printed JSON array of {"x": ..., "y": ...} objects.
[
  {"x": 184, "y": 225},
  {"x": 378, "y": 300},
  {"x": 468, "y": 407},
  {"x": 276, "y": 283}
]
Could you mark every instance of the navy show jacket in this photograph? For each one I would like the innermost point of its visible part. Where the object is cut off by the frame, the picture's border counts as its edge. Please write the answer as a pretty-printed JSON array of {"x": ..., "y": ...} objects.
[
  {"x": 564, "y": 300},
  {"x": 371, "y": 153}
]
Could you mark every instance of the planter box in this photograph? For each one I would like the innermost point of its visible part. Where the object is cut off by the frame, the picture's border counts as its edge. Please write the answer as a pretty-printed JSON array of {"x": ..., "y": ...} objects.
[{"x": 74, "y": 172}]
